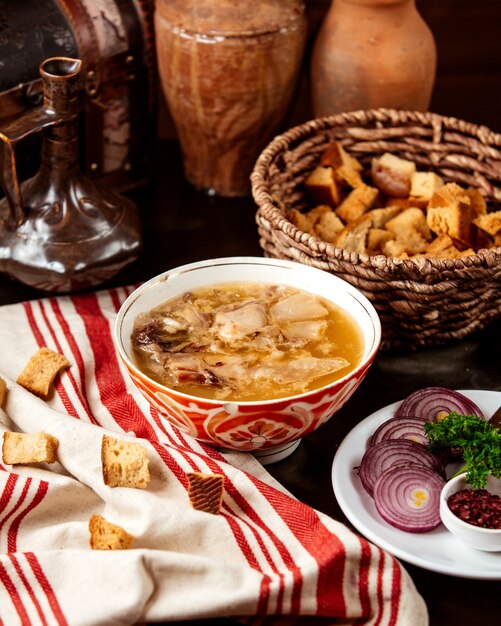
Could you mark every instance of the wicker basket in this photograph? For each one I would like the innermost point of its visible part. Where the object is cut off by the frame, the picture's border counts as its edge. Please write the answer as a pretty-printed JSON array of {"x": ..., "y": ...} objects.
[{"x": 421, "y": 302}]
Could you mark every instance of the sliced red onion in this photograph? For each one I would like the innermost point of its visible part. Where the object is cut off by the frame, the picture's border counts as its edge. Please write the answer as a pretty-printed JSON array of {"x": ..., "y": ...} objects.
[
  {"x": 430, "y": 402},
  {"x": 391, "y": 453},
  {"x": 410, "y": 428},
  {"x": 409, "y": 498}
]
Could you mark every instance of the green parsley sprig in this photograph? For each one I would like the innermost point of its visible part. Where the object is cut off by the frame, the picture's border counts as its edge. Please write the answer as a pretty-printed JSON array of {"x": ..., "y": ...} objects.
[{"x": 479, "y": 441}]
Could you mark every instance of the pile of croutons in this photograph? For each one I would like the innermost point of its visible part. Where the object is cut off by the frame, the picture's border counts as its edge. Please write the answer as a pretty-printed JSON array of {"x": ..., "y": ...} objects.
[{"x": 393, "y": 209}]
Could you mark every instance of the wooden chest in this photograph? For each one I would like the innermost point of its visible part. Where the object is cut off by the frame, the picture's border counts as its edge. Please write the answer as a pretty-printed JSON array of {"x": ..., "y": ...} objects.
[{"x": 114, "y": 39}]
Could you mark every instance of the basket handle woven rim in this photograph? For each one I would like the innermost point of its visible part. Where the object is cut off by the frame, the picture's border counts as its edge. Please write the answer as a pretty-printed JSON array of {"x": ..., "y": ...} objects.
[
  {"x": 267, "y": 207},
  {"x": 362, "y": 116}
]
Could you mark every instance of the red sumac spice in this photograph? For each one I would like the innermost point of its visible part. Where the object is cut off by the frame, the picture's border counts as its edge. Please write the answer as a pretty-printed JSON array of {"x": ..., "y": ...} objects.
[{"x": 477, "y": 506}]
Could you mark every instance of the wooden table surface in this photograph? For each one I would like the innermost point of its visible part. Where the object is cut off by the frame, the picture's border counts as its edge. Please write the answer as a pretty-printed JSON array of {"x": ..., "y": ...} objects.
[{"x": 183, "y": 225}]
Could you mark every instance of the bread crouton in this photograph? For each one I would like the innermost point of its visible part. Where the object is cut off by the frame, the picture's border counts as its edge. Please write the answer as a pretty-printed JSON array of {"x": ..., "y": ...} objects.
[
  {"x": 107, "y": 536},
  {"x": 328, "y": 226},
  {"x": 424, "y": 185},
  {"x": 322, "y": 186},
  {"x": 124, "y": 463},
  {"x": 449, "y": 212},
  {"x": 3, "y": 390},
  {"x": 205, "y": 491},
  {"x": 307, "y": 221},
  {"x": 490, "y": 222},
  {"x": 318, "y": 212},
  {"x": 392, "y": 175},
  {"x": 480, "y": 239},
  {"x": 448, "y": 195},
  {"x": 443, "y": 247},
  {"x": 410, "y": 230},
  {"x": 408, "y": 221},
  {"x": 354, "y": 236},
  {"x": 406, "y": 203},
  {"x": 41, "y": 370},
  {"x": 335, "y": 156},
  {"x": 345, "y": 175},
  {"x": 379, "y": 217},
  {"x": 477, "y": 201},
  {"x": 346, "y": 169},
  {"x": 377, "y": 239},
  {"x": 26, "y": 448},
  {"x": 300, "y": 220},
  {"x": 395, "y": 248},
  {"x": 356, "y": 203}
]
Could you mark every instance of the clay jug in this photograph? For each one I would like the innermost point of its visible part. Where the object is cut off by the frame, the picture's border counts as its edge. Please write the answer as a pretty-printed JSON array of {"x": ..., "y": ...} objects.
[
  {"x": 59, "y": 231},
  {"x": 370, "y": 54},
  {"x": 228, "y": 70}
]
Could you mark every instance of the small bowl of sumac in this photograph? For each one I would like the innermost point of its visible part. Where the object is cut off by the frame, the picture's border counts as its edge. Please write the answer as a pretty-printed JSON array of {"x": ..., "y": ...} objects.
[{"x": 473, "y": 515}]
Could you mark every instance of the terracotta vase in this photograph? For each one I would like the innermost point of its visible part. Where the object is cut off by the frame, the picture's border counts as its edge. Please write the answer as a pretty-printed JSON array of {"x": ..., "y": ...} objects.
[
  {"x": 372, "y": 53},
  {"x": 228, "y": 70}
]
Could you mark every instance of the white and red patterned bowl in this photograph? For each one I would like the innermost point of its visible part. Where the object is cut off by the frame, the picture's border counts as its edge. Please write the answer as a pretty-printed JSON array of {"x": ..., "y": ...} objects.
[{"x": 270, "y": 429}]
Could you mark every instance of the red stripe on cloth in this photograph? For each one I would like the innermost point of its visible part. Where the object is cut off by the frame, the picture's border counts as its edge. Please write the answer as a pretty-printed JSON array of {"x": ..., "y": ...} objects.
[
  {"x": 262, "y": 527},
  {"x": 178, "y": 440},
  {"x": 47, "y": 588},
  {"x": 323, "y": 545},
  {"x": 39, "y": 338},
  {"x": 264, "y": 592},
  {"x": 396, "y": 590},
  {"x": 14, "y": 596},
  {"x": 240, "y": 538},
  {"x": 281, "y": 547},
  {"x": 29, "y": 588},
  {"x": 117, "y": 299},
  {"x": 155, "y": 416},
  {"x": 42, "y": 490},
  {"x": 16, "y": 506},
  {"x": 363, "y": 576},
  {"x": 259, "y": 522},
  {"x": 77, "y": 357},
  {"x": 259, "y": 528},
  {"x": 7, "y": 494},
  {"x": 380, "y": 592},
  {"x": 69, "y": 405},
  {"x": 110, "y": 382},
  {"x": 172, "y": 464}
]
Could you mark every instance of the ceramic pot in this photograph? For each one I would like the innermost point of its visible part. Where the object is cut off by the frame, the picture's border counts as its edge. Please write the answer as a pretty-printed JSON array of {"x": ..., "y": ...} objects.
[
  {"x": 370, "y": 54},
  {"x": 228, "y": 70}
]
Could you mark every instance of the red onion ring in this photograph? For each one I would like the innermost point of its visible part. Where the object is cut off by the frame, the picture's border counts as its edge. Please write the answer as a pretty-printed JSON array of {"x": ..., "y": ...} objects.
[
  {"x": 430, "y": 401},
  {"x": 391, "y": 453},
  {"x": 410, "y": 428},
  {"x": 408, "y": 498}
]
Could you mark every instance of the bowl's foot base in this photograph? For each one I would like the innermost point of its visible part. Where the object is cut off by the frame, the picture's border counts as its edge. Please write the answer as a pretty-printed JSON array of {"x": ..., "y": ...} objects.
[{"x": 272, "y": 455}]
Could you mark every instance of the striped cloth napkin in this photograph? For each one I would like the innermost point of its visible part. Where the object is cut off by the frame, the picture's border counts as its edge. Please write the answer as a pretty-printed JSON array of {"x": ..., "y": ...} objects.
[{"x": 266, "y": 554}]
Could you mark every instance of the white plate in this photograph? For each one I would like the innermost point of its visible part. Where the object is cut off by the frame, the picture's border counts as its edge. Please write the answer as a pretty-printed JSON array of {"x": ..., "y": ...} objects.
[{"x": 437, "y": 550}]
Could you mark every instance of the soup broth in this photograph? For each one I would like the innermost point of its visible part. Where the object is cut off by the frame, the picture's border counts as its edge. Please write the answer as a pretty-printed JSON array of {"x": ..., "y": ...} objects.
[{"x": 246, "y": 342}]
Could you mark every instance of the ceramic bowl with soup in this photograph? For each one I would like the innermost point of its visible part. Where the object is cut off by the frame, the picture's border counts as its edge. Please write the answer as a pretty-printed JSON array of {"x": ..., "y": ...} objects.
[{"x": 247, "y": 353}]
